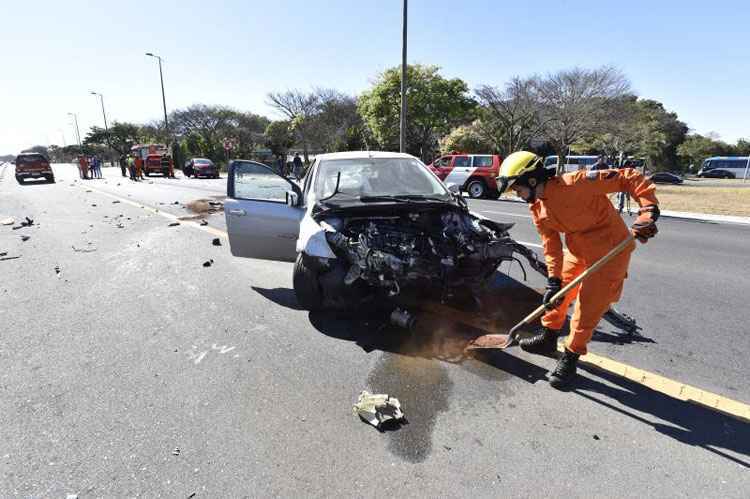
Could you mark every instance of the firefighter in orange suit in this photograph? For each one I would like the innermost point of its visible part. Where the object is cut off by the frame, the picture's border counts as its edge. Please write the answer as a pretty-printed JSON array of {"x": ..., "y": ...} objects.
[{"x": 576, "y": 204}]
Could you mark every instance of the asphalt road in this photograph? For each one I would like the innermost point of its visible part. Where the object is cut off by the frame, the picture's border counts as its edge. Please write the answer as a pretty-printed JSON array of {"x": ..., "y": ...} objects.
[{"x": 132, "y": 370}]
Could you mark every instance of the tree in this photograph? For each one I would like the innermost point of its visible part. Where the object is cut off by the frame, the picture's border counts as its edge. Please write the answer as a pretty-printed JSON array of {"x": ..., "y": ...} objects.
[
  {"x": 696, "y": 148},
  {"x": 299, "y": 108},
  {"x": 122, "y": 136},
  {"x": 336, "y": 125},
  {"x": 248, "y": 133},
  {"x": 279, "y": 137},
  {"x": 511, "y": 117},
  {"x": 435, "y": 105},
  {"x": 205, "y": 127},
  {"x": 468, "y": 139},
  {"x": 38, "y": 149},
  {"x": 742, "y": 148},
  {"x": 575, "y": 102}
]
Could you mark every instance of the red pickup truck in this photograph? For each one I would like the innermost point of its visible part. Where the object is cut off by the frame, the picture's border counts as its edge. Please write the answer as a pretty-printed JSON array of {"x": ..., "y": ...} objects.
[{"x": 33, "y": 165}]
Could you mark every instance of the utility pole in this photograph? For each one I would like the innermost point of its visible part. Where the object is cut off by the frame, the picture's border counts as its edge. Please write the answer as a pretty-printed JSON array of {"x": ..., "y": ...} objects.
[
  {"x": 402, "y": 125},
  {"x": 78, "y": 133},
  {"x": 106, "y": 128},
  {"x": 163, "y": 99}
]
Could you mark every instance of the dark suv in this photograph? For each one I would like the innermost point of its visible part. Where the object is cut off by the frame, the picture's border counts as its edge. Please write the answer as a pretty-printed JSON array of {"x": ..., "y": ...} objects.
[{"x": 33, "y": 165}]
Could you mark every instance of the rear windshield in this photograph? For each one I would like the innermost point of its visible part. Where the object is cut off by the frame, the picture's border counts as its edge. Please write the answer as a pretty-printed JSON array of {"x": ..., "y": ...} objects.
[
  {"x": 30, "y": 158},
  {"x": 202, "y": 162}
]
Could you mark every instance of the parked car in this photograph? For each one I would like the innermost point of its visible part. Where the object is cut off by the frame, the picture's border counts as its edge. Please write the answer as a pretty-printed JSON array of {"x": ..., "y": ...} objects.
[
  {"x": 365, "y": 226},
  {"x": 201, "y": 167},
  {"x": 572, "y": 163},
  {"x": 665, "y": 178},
  {"x": 473, "y": 173},
  {"x": 33, "y": 165}
]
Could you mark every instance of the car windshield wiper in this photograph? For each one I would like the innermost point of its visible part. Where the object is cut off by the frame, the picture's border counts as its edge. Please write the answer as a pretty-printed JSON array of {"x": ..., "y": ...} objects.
[{"x": 405, "y": 198}]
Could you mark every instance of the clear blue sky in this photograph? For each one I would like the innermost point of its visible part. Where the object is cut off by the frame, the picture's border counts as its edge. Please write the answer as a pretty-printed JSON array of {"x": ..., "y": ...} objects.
[{"x": 692, "y": 56}]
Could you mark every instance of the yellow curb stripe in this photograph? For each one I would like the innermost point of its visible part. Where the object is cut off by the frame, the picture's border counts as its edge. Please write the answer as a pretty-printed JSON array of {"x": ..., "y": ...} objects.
[
  {"x": 656, "y": 382},
  {"x": 671, "y": 388}
]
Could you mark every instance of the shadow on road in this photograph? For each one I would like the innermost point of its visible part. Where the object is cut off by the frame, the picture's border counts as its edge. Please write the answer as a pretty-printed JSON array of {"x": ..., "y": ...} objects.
[{"x": 686, "y": 422}]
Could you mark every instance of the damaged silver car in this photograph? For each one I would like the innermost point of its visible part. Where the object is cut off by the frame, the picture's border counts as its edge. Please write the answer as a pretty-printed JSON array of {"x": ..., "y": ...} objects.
[{"x": 366, "y": 225}]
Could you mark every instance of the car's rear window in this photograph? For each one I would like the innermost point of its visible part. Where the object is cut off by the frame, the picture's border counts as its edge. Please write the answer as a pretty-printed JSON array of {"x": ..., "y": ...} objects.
[
  {"x": 29, "y": 158},
  {"x": 202, "y": 162},
  {"x": 482, "y": 161}
]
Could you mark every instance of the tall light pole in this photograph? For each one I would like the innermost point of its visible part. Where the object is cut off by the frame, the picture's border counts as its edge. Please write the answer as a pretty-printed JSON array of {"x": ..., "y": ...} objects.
[
  {"x": 78, "y": 132},
  {"x": 402, "y": 125},
  {"x": 163, "y": 99},
  {"x": 106, "y": 128}
]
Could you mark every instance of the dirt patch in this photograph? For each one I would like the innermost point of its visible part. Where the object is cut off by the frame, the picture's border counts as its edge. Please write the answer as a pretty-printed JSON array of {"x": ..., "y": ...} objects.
[{"x": 205, "y": 206}]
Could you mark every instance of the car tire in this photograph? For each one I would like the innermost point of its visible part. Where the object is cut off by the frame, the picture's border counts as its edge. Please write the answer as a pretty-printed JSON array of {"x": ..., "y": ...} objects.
[
  {"x": 306, "y": 284},
  {"x": 19, "y": 179},
  {"x": 50, "y": 179},
  {"x": 476, "y": 189}
]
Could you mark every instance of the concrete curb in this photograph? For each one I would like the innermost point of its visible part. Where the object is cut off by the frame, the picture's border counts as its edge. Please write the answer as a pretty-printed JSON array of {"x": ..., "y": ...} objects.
[{"x": 686, "y": 215}]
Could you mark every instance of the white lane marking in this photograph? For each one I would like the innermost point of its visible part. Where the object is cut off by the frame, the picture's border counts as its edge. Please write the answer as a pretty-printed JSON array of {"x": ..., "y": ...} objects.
[{"x": 505, "y": 213}]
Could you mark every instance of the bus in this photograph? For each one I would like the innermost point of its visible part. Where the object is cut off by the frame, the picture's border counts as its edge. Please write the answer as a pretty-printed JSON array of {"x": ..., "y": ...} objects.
[
  {"x": 724, "y": 167},
  {"x": 572, "y": 163}
]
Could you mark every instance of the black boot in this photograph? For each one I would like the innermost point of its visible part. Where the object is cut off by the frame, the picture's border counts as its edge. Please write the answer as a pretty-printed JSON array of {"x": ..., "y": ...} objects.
[
  {"x": 565, "y": 371},
  {"x": 544, "y": 343}
]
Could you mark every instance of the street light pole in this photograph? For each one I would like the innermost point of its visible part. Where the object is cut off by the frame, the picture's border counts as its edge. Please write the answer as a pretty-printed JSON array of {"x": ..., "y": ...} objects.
[
  {"x": 402, "y": 124},
  {"x": 106, "y": 128},
  {"x": 163, "y": 99},
  {"x": 78, "y": 132}
]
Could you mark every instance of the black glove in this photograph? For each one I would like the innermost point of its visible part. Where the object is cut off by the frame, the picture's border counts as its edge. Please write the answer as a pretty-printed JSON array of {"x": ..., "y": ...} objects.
[{"x": 554, "y": 284}]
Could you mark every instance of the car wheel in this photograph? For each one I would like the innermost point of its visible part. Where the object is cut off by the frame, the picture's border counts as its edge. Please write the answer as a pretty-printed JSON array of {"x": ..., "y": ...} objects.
[
  {"x": 19, "y": 179},
  {"x": 476, "y": 189},
  {"x": 306, "y": 284},
  {"x": 50, "y": 179}
]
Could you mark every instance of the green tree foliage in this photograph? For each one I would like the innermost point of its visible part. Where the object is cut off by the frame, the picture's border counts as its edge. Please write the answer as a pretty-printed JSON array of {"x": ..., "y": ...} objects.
[
  {"x": 696, "y": 148},
  {"x": 122, "y": 136},
  {"x": 468, "y": 139},
  {"x": 434, "y": 104},
  {"x": 279, "y": 137}
]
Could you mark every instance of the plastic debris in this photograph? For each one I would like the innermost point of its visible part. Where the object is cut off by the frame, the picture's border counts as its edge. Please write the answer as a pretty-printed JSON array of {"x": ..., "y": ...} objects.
[
  {"x": 204, "y": 222},
  {"x": 8, "y": 221},
  {"x": 208, "y": 263},
  {"x": 216, "y": 241},
  {"x": 378, "y": 409},
  {"x": 25, "y": 238},
  {"x": 116, "y": 201},
  {"x": 174, "y": 224}
]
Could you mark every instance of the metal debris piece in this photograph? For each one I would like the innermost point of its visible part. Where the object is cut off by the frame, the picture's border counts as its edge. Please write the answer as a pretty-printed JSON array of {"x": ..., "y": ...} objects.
[
  {"x": 174, "y": 224},
  {"x": 208, "y": 263},
  {"x": 216, "y": 241},
  {"x": 378, "y": 409},
  {"x": 8, "y": 221}
]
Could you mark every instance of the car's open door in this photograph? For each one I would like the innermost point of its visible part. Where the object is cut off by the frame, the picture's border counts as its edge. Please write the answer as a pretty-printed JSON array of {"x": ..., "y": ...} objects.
[{"x": 263, "y": 212}]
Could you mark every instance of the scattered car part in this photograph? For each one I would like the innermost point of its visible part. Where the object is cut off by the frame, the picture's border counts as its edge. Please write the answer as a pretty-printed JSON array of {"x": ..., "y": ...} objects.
[{"x": 378, "y": 409}]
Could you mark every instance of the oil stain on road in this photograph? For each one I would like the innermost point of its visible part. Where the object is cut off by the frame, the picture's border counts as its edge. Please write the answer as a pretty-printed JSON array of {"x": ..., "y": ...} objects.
[{"x": 423, "y": 387}]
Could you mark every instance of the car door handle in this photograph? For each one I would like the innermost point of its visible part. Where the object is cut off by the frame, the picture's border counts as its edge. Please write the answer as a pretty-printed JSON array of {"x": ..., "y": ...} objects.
[{"x": 238, "y": 212}]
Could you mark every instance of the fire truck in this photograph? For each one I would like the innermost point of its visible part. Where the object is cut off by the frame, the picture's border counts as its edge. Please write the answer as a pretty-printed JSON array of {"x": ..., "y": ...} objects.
[{"x": 154, "y": 158}]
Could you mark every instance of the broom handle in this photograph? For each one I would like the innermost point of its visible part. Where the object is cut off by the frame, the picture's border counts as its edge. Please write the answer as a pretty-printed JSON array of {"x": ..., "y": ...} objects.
[{"x": 583, "y": 275}]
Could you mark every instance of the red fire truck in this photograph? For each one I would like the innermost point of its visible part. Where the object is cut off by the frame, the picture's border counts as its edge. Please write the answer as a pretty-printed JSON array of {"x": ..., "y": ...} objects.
[{"x": 154, "y": 158}]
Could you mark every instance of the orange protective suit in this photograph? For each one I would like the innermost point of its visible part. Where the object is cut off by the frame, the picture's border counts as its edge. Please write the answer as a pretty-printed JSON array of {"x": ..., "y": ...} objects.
[
  {"x": 138, "y": 168},
  {"x": 576, "y": 204}
]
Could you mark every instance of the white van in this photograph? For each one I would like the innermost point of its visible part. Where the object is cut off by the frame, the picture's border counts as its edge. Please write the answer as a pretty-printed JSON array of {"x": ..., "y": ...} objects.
[
  {"x": 724, "y": 167},
  {"x": 572, "y": 163}
]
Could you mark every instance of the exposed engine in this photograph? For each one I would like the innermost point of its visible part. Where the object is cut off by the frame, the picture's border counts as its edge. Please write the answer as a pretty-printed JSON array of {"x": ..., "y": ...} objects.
[{"x": 444, "y": 247}]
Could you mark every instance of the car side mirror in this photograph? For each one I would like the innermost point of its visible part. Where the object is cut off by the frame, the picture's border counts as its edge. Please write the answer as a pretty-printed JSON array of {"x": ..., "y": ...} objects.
[
  {"x": 454, "y": 188},
  {"x": 292, "y": 199}
]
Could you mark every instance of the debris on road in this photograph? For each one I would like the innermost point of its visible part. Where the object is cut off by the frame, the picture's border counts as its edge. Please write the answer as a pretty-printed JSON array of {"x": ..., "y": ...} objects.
[
  {"x": 116, "y": 201},
  {"x": 216, "y": 241},
  {"x": 3, "y": 257},
  {"x": 378, "y": 409},
  {"x": 176, "y": 451},
  {"x": 93, "y": 205},
  {"x": 89, "y": 248},
  {"x": 8, "y": 221},
  {"x": 176, "y": 202},
  {"x": 208, "y": 263},
  {"x": 28, "y": 222},
  {"x": 57, "y": 270},
  {"x": 205, "y": 206},
  {"x": 25, "y": 238},
  {"x": 204, "y": 222},
  {"x": 174, "y": 224}
]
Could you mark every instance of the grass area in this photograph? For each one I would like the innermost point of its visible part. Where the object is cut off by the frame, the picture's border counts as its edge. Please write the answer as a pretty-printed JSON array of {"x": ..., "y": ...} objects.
[
  {"x": 731, "y": 199},
  {"x": 705, "y": 199}
]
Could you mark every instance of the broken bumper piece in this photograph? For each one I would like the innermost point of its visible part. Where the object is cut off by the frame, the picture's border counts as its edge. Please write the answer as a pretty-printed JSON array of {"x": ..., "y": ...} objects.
[{"x": 378, "y": 409}]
